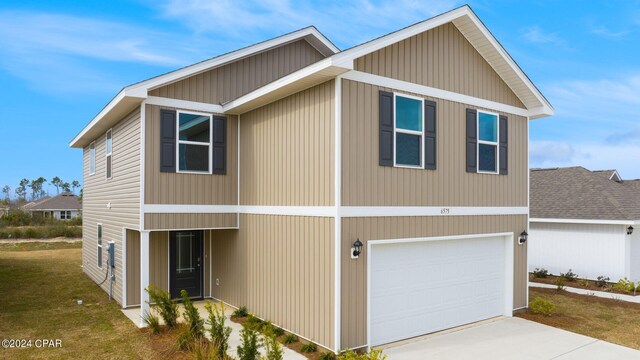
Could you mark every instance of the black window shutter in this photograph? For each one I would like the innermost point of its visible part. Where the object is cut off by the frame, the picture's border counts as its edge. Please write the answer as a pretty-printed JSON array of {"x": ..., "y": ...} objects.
[
  {"x": 430, "y": 154},
  {"x": 167, "y": 140},
  {"x": 219, "y": 145},
  {"x": 472, "y": 141},
  {"x": 504, "y": 145},
  {"x": 386, "y": 128}
]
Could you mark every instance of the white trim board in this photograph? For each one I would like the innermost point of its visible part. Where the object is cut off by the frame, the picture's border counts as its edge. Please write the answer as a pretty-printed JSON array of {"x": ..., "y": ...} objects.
[
  {"x": 333, "y": 211},
  {"x": 185, "y": 105},
  {"x": 585, "y": 221},
  {"x": 423, "y": 90},
  {"x": 337, "y": 226}
]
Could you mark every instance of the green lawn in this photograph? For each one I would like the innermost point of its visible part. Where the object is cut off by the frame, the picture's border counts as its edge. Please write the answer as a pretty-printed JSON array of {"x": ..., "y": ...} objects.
[
  {"x": 607, "y": 319},
  {"x": 40, "y": 284}
]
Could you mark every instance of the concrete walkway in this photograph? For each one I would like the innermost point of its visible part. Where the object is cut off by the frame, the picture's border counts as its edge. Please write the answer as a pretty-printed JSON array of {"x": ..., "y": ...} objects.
[
  {"x": 602, "y": 294},
  {"x": 510, "y": 338},
  {"x": 234, "y": 339}
]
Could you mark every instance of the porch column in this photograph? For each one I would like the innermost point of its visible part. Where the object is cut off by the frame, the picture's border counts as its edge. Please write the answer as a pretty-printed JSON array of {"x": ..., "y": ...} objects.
[{"x": 144, "y": 275}]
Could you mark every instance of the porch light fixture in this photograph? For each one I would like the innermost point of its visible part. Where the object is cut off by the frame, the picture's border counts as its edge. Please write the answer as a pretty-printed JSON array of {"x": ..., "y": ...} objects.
[
  {"x": 356, "y": 249},
  {"x": 523, "y": 237},
  {"x": 630, "y": 230}
]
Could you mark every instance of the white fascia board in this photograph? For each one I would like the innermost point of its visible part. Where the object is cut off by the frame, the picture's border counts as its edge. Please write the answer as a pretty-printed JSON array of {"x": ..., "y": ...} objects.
[
  {"x": 185, "y": 104},
  {"x": 433, "y": 92},
  {"x": 585, "y": 221}
]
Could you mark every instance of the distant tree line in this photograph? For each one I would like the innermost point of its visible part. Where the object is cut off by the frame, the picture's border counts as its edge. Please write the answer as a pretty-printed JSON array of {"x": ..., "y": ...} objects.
[{"x": 34, "y": 189}]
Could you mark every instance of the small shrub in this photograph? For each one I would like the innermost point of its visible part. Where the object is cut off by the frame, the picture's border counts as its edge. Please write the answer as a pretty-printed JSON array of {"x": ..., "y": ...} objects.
[
  {"x": 162, "y": 302},
  {"x": 241, "y": 312},
  {"x": 185, "y": 339},
  {"x": 309, "y": 348},
  {"x": 194, "y": 322},
  {"x": 602, "y": 281},
  {"x": 204, "y": 349},
  {"x": 290, "y": 339},
  {"x": 542, "y": 306},
  {"x": 540, "y": 273},
  {"x": 583, "y": 282},
  {"x": 371, "y": 355},
  {"x": 569, "y": 276},
  {"x": 560, "y": 283},
  {"x": 152, "y": 321},
  {"x": 327, "y": 356},
  {"x": 624, "y": 286},
  {"x": 248, "y": 349},
  {"x": 254, "y": 323},
  {"x": 273, "y": 349},
  {"x": 277, "y": 331},
  {"x": 219, "y": 331}
]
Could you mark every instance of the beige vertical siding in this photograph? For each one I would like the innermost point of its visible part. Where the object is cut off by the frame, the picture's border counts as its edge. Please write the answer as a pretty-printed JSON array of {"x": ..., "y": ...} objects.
[
  {"x": 176, "y": 188},
  {"x": 282, "y": 269},
  {"x": 440, "y": 58},
  {"x": 158, "y": 264},
  {"x": 154, "y": 221},
  {"x": 233, "y": 80},
  {"x": 366, "y": 183},
  {"x": 122, "y": 191},
  {"x": 287, "y": 151},
  {"x": 354, "y": 272}
]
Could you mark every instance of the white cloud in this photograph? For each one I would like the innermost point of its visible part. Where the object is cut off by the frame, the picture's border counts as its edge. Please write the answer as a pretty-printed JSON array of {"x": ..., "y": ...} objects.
[
  {"x": 606, "y": 32},
  {"x": 347, "y": 23},
  {"x": 594, "y": 156},
  {"x": 535, "y": 34}
]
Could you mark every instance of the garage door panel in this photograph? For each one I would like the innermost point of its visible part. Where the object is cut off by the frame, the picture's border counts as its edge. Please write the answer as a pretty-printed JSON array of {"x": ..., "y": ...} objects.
[{"x": 422, "y": 287}]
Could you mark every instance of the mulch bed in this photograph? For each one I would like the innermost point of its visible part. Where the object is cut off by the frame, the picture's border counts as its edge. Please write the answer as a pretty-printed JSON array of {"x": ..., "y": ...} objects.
[{"x": 579, "y": 284}]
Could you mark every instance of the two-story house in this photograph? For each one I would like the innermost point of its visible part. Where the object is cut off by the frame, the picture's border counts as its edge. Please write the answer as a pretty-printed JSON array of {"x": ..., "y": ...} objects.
[{"x": 354, "y": 197}]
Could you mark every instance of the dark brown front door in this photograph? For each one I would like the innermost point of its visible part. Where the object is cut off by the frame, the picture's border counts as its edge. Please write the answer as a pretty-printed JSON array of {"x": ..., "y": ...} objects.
[{"x": 185, "y": 263}]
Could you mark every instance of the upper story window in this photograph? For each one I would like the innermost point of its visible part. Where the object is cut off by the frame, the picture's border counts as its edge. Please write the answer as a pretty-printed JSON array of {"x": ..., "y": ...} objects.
[
  {"x": 108, "y": 152},
  {"x": 488, "y": 135},
  {"x": 92, "y": 158},
  {"x": 194, "y": 142},
  {"x": 409, "y": 132}
]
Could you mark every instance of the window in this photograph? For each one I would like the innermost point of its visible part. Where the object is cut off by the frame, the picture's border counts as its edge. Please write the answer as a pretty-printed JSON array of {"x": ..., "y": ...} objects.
[
  {"x": 488, "y": 142},
  {"x": 109, "y": 149},
  {"x": 408, "y": 131},
  {"x": 100, "y": 246},
  {"x": 92, "y": 158},
  {"x": 194, "y": 142},
  {"x": 65, "y": 215}
]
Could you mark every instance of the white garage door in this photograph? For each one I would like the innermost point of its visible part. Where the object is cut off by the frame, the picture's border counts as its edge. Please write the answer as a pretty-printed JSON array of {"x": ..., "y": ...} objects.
[{"x": 421, "y": 287}]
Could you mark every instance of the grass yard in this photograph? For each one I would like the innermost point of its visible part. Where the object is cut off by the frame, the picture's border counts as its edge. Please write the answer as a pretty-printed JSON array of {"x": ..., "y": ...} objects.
[
  {"x": 607, "y": 319},
  {"x": 40, "y": 283}
]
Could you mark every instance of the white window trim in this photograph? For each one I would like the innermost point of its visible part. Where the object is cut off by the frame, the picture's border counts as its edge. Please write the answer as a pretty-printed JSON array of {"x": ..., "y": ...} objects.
[
  {"x": 411, "y": 132},
  {"x": 99, "y": 230},
  {"x": 92, "y": 158},
  {"x": 495, "y": 143},
  {"x": 108, "y": 154},
  {"x": 186, "y": 142}
]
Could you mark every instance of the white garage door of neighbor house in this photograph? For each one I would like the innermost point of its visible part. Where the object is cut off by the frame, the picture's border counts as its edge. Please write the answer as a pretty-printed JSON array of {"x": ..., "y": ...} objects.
[{"x": 422, "y": 287}]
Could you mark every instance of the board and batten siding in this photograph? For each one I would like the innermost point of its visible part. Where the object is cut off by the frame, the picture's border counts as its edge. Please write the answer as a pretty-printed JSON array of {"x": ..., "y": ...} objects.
[
  {"x": 282, "y": 269},
  {"x": 228, "y": 82},
  {"x": 287, "y": 151},
  {"x": 354, "y": 272},
  {"x": 441, "y": 58},
  {"x": 589, "y": 250},
  {"x": 366, "y": 183},
  {"x": 122, "y": 192},
  {"x": 181, "y": 188}
]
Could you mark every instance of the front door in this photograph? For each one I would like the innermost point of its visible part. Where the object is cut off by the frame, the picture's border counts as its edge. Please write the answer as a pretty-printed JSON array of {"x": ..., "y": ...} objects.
[{"x": 185, "y": 260}]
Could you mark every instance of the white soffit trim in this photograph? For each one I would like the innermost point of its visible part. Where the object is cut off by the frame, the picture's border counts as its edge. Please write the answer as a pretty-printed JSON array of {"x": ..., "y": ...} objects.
[
  {"x": 433, "y": 92},
  {"x": 333, "y": 211},
  {"x": 585, "y": 221},
  {"x": 184, "y": 104}
]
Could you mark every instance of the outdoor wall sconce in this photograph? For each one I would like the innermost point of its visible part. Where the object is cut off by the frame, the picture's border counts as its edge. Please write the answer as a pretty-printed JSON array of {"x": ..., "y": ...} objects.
[
  {"x": 630, "y": 230},
  {"x": 523, "y": 237},
  {"x": 356, "y": 249}
]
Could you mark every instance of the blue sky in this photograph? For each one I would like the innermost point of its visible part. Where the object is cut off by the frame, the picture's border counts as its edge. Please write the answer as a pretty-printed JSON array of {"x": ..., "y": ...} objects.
[{"x": 62, "y": 61}]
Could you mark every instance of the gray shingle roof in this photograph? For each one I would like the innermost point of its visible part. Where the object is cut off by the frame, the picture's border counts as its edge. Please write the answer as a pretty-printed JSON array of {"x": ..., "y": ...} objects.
[
  {"x": 64, "y": 201},
  {"x": 578, "y": 193}
]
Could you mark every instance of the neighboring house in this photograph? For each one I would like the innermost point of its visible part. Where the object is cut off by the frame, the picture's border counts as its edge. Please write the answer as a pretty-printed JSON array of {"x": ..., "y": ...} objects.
[
  {"x": 584, "y": 221},
  {"x": 65, "y": 206},
  {"x": 249, "y": 177}
]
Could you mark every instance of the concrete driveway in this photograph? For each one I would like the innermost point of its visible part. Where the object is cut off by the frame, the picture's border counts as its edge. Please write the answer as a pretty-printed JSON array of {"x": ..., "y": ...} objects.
[{"x": 509, "y": 338}]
